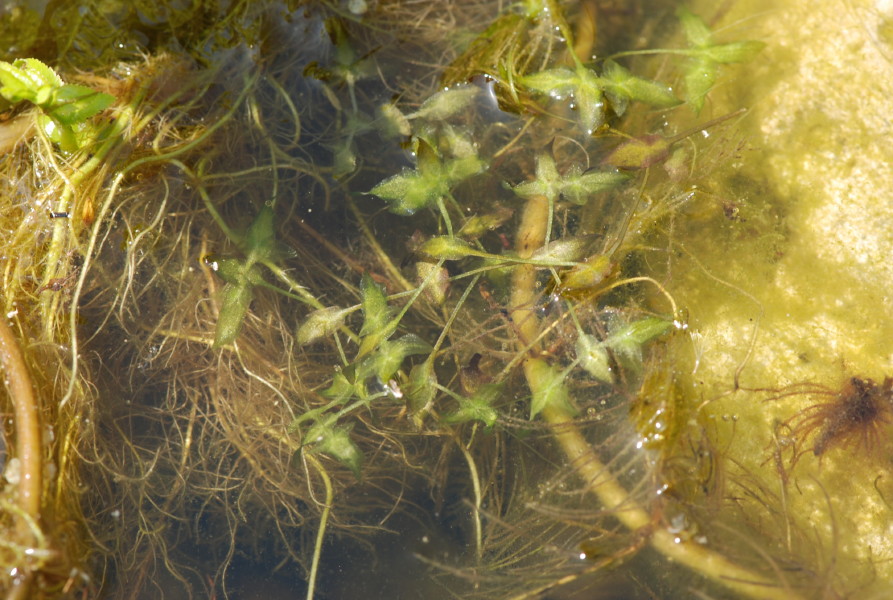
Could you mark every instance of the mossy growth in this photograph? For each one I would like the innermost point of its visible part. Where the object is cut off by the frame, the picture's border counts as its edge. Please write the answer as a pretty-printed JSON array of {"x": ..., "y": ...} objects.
[{"x": 321, "y": 268}]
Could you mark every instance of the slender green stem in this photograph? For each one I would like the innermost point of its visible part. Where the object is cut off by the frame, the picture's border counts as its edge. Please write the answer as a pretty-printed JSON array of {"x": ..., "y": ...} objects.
[
  {"x": 323, "y": 521},
  {"x": 478, "y": 498}
]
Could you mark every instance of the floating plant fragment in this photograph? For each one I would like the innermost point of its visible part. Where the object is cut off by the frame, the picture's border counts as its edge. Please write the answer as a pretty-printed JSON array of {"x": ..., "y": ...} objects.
[
  {"x": 647, "y": 150},
  {"x": 478, "y": 225},
  {"x": 587, "y": 274}
]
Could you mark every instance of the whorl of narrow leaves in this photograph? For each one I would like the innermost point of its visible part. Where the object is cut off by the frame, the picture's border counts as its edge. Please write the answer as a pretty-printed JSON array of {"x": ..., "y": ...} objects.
[
  {"x": 576, "y": 186},
  {"x": 432, "y": 180}
]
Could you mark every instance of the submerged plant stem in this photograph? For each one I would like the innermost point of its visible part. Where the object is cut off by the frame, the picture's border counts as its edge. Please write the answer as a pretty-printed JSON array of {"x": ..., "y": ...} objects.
[
  {"x": 27, "y": 423},
  {"x": 28, "y": 446},
  {"x": 323, "y": 521},
  {"x": 599, "y": 481}
]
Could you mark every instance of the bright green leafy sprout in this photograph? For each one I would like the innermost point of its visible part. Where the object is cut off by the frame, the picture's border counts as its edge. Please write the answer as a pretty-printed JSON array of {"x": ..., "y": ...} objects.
[
  {"x": 428, "y": 184},
  {"x": 66, "y": 107}
]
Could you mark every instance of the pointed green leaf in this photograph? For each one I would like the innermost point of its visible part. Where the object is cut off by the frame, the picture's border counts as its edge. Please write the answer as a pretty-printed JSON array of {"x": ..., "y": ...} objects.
[
  {"x": 62, "y": 135},
  {"x": 457, "y": 142},
  {"x": 696, "y": 31},
  {"x": 447, "y": 103},
  {"x": 589, "y": 98},
  {"x": 321, "y": 323},
  {"x": 335, "y": 441},
  {"x": 406, "y": 192},
  {"x": 390, "y": 354},
  {"x": 554, "y": 82},
  {"x": 568, "y": 249},
  {"x": 15, "y": 85},
  {"x": 260, "y": 240},
  {"x": 594, "y": 358},
  {"x": 581, "y": 83},
  {"x": 628, "y": 340},
  {"x": 448, "y": 248},
  {"x": 422, "y": 388},
  {"x": 578, "y": 187},
  {"x": 478, "y": 225},
  {"x": 343, "y": 385},
  {"x": 460, "y": 169},
  {"x": 621, "y": 86},
  {"x": 74, "y": 104},
  {"x": 230, "y": 270},
  {"x": 234, "y": 303},
  {"x": 546, "y": 182},
  {"x": 39, "y": 73},
  {"x": 376, "y": 312},
  {"x": 412, "y": 190},
  {"x": 430, "y": 166},
  {"x": 547, "y": 385},
  {"x": 700, "y": 75},
  {"x": 344, "y": 160},
  {"x": 575, "y": 185},
  {"x": 734, "y": 52},
  {"x": 392, "y": 122}
]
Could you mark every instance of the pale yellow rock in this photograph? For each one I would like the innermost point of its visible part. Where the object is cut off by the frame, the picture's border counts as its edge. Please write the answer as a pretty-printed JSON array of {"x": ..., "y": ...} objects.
[{"x": 818, "y": 295}]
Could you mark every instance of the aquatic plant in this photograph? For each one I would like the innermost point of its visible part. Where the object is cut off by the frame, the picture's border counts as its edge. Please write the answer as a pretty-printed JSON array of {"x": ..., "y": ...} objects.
[{"x": 295, "y": 287}]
